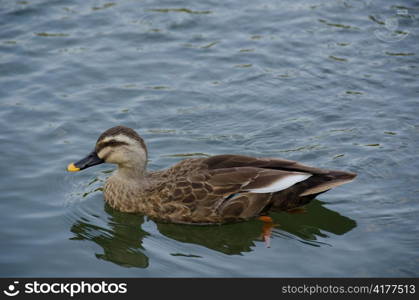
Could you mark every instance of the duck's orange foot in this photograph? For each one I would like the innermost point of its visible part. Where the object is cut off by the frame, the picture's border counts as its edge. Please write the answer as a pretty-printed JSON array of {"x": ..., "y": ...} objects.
[
  {"x": 266, "y": 219},
  {"x": 268, "y": 225}
]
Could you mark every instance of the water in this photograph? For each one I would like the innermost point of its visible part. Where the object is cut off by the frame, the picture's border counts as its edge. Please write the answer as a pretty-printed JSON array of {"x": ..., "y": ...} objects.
[{"x": 333, "y": 84}]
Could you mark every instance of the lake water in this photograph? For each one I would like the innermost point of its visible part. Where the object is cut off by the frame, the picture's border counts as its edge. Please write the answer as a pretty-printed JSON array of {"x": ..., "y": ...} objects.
[{"x": 332, "y": 84}]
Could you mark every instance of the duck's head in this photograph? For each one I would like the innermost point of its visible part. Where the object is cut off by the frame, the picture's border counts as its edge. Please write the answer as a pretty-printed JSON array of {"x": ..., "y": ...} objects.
[{"x": 118, "y": 145}]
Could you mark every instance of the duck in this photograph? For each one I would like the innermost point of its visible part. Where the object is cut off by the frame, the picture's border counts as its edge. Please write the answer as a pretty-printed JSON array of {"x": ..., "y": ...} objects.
[{"x": 211, "y": 190}]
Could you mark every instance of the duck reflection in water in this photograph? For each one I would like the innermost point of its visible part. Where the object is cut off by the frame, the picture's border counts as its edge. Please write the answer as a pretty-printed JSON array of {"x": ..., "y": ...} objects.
[{"x": 122, "y": 240}]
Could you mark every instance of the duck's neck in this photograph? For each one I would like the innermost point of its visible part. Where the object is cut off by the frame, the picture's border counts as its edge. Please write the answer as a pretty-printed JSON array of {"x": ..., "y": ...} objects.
[
  {"x": 131, "y": 173},
  {"x": 133, "y": 169},
  {"x": 123, "y": 188}
]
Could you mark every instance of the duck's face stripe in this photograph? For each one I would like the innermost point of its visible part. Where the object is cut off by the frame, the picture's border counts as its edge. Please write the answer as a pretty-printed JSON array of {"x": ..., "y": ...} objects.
[
  {"x": 121, "y": 131},
  {"x": 110, "y": 143}
]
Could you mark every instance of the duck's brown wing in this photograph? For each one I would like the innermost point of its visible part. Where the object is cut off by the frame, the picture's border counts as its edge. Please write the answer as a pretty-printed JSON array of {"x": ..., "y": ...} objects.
[
  {"x": 231, "y": 161},
  {"x": 322, "y": 179},
  {"x": 257, "y": 184},
  {"x": 228, "y": 194}
]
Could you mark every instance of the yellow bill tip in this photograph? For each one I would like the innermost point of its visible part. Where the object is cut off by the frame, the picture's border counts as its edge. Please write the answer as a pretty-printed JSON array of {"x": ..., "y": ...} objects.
[{"x": 72, "y": 168}]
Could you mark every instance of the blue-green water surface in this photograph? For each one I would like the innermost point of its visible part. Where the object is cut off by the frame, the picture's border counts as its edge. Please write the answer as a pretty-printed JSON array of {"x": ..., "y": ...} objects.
[{"x": 332, "y": 84}]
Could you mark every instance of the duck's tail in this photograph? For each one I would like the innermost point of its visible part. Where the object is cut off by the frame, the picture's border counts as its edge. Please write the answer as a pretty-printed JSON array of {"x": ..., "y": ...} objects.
[{"x": 305, "y": 191}]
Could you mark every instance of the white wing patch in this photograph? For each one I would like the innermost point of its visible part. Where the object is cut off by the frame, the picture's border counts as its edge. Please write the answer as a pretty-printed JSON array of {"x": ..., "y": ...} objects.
[{"x": 281, "y": 184}]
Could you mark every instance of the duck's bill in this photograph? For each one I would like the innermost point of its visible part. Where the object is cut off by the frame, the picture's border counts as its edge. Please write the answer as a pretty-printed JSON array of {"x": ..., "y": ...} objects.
[{"x": 89, "y": 161}]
